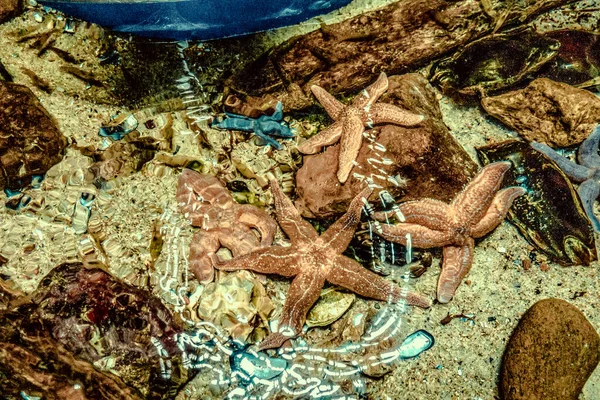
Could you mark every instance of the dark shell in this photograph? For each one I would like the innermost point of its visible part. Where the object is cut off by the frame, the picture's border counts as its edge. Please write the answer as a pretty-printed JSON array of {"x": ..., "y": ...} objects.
[
  {"x": 495, "y": 62},
  {"x": 550, "y": 214},
  {"x": 578, "y": 58}
]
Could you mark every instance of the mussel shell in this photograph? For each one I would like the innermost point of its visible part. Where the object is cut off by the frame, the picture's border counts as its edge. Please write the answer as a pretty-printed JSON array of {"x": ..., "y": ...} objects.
[
  {"x": 415, "y": 344},
  {"x": 495, "y": 62}
]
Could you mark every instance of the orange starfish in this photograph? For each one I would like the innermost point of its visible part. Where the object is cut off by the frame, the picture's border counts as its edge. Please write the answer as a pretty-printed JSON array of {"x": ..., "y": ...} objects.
[
  {"x": 351, "y": 120},
  {"x": 313, "y": 260},
  {"x": 474, "y": 212}
]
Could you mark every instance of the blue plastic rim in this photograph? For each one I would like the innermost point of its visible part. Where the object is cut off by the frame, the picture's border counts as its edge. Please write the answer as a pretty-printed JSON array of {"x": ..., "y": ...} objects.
[{"x": 194, "y": 19}]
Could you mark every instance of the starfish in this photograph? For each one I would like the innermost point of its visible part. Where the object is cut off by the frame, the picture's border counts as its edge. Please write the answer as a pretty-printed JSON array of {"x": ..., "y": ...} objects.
[
  {"x": 474, "y": 212},
  {"x": 264, "y": 126},
  {"x": 586, "y": 173},
  {"x": 351, "y": 120},
  {"x": 313, "y": 260}
]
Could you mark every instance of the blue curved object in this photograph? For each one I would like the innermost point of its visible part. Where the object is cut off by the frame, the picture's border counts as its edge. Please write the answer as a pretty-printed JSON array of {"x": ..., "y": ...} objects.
[{"x": 194, "y": 19}]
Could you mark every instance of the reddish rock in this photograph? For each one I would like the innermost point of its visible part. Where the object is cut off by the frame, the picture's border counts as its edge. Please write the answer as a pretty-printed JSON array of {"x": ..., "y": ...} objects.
[
  {"x": 30, "y": 142},
  {"x": 549, "y": 112},
  {"x": 426, "y": 158},
  {"x": 10, "y": 9},
  {"x": 550, "y": 355}
]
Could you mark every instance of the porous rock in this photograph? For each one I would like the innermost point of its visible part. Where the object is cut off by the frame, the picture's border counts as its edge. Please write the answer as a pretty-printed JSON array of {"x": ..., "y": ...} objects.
[
  {"x": 426, "y": 158},
  {"x": 546, "y": 111},
  {"x": 550, "y": 355},
  {"x": 30, "y": 141}
]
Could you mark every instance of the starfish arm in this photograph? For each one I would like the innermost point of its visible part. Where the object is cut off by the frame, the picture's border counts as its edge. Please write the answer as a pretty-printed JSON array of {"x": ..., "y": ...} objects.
[
  {"x": 329, "y": 103},
  {"x": 340, "y": 233},
  {"x": 258, "y": 219},
  {"x": 471, "y": 204},
  {"x": 202, "y": 255},
  {"x": 497, "y": 211},
  {"x": 303, "y": 293},
  {"x": 588, "y": 151},
  {"x": 236, "y": 124},
  {"x": 266, "y": 260},
  {"x": 351, "y": 140},
  {"x": 421, "y": 236},
  {"x": 588, "y": 193},
  {"x": 371, "y": 94},
  {"x": 297, "y": 229},
  {"x": 457, "y": 263},
  {"x": 430, "y": 213},
  {"x": 265, "y": 139},
  {"x": 326, "y": 137},
  {"x": 383, "y": 113},
  {"x": 578, "y": 173},
  {"x": 278, "y": 114},
  {"x": 351, "y": 275}
]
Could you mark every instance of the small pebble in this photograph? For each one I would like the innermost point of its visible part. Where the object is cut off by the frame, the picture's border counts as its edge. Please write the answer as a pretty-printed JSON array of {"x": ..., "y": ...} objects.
[
  {"x": 544, "y": 267},
  {"x": 501, "y": 249},
  {"x": 39, "y": 18},
  {"x": 526, "y": 263}
]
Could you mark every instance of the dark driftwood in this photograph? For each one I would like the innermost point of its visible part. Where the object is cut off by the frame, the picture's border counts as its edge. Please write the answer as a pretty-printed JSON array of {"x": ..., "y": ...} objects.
[{"x": 347, "y": 56}]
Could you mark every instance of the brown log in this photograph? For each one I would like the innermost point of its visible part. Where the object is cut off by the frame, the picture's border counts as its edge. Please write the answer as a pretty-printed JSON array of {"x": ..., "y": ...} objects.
[{"x": 347, "y": 56}]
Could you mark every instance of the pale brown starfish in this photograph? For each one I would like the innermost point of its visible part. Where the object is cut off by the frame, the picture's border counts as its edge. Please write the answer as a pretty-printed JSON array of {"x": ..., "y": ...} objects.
[
  {"x": 351, "y": 120},
  {"x": 474, "y": 212},
  {"x": 312, "y": 260}
]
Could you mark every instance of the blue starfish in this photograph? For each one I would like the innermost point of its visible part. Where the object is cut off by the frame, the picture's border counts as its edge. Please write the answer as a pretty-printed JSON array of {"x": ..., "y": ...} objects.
[
  {"x": 264, "y": 126},
  {"x": 587, "y": 172}
]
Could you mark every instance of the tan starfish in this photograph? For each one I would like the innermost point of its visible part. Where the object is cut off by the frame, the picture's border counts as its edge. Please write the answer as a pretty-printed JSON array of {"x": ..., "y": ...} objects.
[
  {"x": 474, "y": 212},
  {"x": 351, "y": 120},
  {"x": 312, "y": 260}
]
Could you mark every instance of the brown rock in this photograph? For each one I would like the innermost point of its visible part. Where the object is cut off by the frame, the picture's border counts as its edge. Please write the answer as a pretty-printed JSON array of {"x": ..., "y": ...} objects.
[
  {"x": 30, "y": 142},
  {"x": 426, "y": 158},
  {"x": 549, "y": 112},
  {"x": 344, "y": 57},
  {"x": 9, "y": 9},
  {"x": 550, "y": 355}
]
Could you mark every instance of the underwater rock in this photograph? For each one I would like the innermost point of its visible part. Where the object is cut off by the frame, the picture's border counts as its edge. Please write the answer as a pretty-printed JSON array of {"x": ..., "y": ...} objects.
[
  {"x": 343, "y": 58},
  {"x": 494, "y": 62},
  {"x": 114, "y": 326},
  {"x": 422, "y": 161},
  {"x": 10, "y": 9},
  {"x": 30, "y": 142},
  {"x": 551, "y": 353},
  {"x": 548, "y": 112},
  {"x": 550, "y": 214}
]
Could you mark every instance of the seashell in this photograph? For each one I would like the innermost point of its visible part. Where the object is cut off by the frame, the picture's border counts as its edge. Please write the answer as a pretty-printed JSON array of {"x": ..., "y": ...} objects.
[
  {"x": 118, "y": 127},
  {"x": 81, "y": 216},
  {"x": 415, "y": 344},
  {"x": 258, "y": 366},
  {"x": 494, "y": 62},
  {"x": 330, "y": 306},
  {"x": 86, "y": 247},
  {"x": 112, "y": 247}
]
